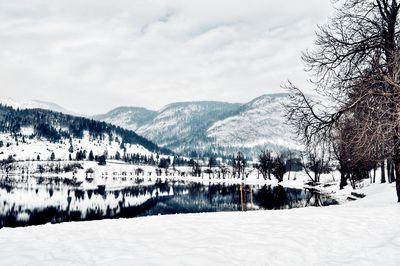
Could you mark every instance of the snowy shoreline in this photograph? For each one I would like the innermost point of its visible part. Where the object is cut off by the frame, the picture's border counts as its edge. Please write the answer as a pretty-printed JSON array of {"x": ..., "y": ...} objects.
[
  {"x": 364, "y": 232},
  {"x": 119, "y": 172}
]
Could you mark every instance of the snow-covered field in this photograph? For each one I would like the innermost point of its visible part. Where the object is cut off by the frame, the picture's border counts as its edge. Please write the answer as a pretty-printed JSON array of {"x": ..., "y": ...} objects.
[{"x": 364, "y": 232}]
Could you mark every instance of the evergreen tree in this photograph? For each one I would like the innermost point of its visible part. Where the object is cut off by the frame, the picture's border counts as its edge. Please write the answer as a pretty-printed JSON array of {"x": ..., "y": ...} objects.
[
  {"x": 212, "y": 162},
  {"x": 102, "y": 160},
  {"x": 71, "y": 148},
  {"x": 80, "y": 156},
  {"x": 91, "y": 157},
  {"x": 164, "y": 163}
]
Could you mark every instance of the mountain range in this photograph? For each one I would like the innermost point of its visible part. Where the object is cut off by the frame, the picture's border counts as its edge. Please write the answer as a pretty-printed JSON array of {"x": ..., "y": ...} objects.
[
  {"x": 202, "y": 127},
  {"x": 211, "y": 127}
]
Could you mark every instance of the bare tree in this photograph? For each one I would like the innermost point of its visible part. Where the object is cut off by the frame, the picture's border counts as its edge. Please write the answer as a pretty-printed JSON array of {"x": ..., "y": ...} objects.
[
  {"x": 223, "y": 170},
  {"x": 239, "y": 165},
  {"x": 315, "y": 161},
  {"x": 356, "y": 67},
  {"x": 353, "y": 164},
  {"x": 279, "y": 168},
  {"x": 265, "y": 164}
]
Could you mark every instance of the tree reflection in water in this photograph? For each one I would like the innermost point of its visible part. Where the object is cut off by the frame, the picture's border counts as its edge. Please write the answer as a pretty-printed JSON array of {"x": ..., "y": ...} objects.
[{"x": 23, "y": 203}]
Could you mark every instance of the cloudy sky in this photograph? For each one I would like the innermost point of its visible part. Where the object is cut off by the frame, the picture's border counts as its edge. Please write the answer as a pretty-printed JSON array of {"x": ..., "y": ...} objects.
[{"x": 93, "y": 55}]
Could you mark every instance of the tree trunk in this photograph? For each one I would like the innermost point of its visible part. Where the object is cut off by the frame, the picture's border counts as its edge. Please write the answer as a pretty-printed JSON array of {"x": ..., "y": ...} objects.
[
  {"x": 351, "y": 178},
  {"x": 383, "y": 177},
  {"x": 343, "y": 180},
  {"x": 374, "y": 174},
  {"x": 396, "y": 161},
  {"x": 398, "y": 189},
  {"x": 397, "y": 170},
  {"x": 392, "y": 177},
  {"x": 388, "y": 166}
]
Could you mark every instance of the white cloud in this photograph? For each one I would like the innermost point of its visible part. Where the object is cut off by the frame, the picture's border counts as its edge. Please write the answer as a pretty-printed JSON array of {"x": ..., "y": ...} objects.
[{"x": 93, "y": 55}]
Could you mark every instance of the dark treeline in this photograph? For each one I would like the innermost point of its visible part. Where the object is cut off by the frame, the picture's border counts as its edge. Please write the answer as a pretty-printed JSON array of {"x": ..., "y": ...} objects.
[
  {"x": 278, "y": 164},
  {"x": 225, "y": 152}
]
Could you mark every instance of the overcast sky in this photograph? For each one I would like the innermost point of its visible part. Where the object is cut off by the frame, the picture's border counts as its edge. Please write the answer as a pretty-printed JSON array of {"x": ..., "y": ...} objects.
[{"x": 93, "y": 55}]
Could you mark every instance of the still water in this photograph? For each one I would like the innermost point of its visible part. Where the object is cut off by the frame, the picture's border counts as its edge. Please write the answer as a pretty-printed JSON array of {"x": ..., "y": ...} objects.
[{"x": 39, "y": 200}]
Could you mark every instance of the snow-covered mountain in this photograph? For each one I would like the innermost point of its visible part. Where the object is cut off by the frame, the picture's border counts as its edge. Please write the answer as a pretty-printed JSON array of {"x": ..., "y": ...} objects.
[
  {"x": 36, "y": 104},
  {"x": 183, "y": 126},
  {"x": 258, "y": 122},
  {"x": 217, "y": 127},
  {"x": 201, "y": 127},
  {"x": 131, "y": 118},
  {"x": 28, "y": 133}
]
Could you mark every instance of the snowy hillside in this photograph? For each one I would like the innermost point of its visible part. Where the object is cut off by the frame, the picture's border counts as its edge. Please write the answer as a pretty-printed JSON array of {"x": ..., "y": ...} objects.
[
  {"x": 182, "y": 126},
  {"x": 27, "y": 147},
  {"x": 36, "y": 104},
  {"x": 217, "y": 127},
  {"x": 258, "y": 122},
  {"x": 32, "y": 133},
  {"x": 130, "y": 118}
]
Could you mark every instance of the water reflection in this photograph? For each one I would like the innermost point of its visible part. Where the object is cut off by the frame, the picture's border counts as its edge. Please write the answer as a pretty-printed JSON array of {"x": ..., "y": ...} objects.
[{"x": 38, "y": 201}]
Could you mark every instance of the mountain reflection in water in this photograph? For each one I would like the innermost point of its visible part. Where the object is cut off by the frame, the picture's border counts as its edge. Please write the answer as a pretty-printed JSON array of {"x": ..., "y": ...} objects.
[{"x": 27, "y": 202}]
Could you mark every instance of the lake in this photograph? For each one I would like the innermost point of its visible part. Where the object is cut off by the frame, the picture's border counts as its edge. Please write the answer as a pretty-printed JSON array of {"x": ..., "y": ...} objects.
[{"x": 33, "y": 201}]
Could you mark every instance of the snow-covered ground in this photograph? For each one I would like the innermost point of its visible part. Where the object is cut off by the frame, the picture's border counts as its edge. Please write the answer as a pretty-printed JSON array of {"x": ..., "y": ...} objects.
[
  {"x": 364, "y": 232},
  {"x": 30, "y": 148}
]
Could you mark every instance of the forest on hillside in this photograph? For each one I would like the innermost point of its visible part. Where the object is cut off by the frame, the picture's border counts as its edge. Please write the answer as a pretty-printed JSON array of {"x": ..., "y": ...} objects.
[{"x": 55, "y": 126}]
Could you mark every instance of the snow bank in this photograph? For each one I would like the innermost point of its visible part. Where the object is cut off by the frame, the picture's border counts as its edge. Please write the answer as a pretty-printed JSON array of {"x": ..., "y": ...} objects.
[{"x": 364, "y": 232}]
